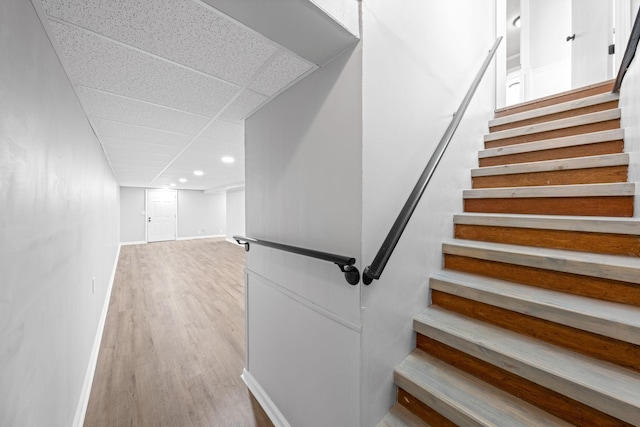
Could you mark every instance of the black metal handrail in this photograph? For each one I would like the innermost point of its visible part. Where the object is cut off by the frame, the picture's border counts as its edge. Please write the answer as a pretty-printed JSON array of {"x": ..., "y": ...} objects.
[
  {"x": 346, "y": 264},
  {"x": 629, "y": 53},
  {"x": 384, "y": 253}
]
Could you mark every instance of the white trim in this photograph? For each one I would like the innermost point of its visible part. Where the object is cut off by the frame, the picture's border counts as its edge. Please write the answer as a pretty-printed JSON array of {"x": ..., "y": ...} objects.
[
  {"x": 139, "y": 242},
  {"x": 81, "y": 410},
  {"x": 263, "y": 399},
  {"x": 573, "y": 190},
  {"x": 201, "y": 237},
  {"x": 574, "y": 163},
  {"x": 584, "y": 119},
  {"x": 556, "y": 108},
  {"x": 548, "y": 144},
  {"x": 307, "y": 303}
]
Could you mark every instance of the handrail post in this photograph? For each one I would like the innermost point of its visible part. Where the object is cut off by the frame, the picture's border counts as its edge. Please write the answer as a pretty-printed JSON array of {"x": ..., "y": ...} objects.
[{"x": 374, "y": 270}]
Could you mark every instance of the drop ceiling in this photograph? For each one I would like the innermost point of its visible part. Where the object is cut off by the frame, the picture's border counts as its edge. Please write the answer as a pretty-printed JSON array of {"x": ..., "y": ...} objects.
[{"x": 167, "y": 84}]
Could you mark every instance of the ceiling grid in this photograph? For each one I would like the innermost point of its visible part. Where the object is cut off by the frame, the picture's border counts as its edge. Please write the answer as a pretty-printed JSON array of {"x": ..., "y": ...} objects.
[{"x": 168, "y": 83}]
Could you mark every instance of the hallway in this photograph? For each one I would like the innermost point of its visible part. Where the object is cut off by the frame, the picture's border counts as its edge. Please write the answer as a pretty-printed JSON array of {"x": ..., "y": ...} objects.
[{"x": 173, "y": 345}]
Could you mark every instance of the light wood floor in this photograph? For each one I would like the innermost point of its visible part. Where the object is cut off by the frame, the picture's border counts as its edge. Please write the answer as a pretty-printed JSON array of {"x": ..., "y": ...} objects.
[{"x": 173, "y": 345}]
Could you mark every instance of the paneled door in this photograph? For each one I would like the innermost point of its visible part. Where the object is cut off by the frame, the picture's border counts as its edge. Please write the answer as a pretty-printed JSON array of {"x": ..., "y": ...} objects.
[{"x": 162, "y": 211}]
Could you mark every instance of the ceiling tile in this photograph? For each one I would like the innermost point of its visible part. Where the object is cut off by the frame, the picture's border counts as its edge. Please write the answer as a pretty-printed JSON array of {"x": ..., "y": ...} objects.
[
  {"x": 282, "y": 70},
  {"x": 138, "y": 147},
  {"x": 122, "y": 109},
  {"x": 125, "y": 131},
  {"x": 220, "y": 130},
  {"x": 245, "y": 104},
  {"x": 217, "y": 148},
  {"x": 101, "y": 64},
  {"x": 185, "y": 31}
]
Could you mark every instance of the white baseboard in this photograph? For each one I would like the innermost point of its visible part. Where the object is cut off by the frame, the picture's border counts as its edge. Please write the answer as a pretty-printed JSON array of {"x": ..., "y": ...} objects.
[
  {"x": 141, "y": 242},
  {"x": 81, "y": 411},
  {"x": 201, "y": 237},
  {"x": 263, "y": 399}
]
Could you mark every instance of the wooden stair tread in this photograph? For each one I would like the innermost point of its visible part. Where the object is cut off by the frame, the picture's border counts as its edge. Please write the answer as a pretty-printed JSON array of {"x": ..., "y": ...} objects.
[
  {"x": 548, "y": 144},
  {"x": 605, "y": 318},
  {"x": 601, "y": 385},
  {"x": 556, "y": 108},
  {"x": 625, "y": 269},
  {"x": 630, "y": 226},
  {"x": 621, "y": 159},
  {"x": 584, "y": 119},
  {"x": 577, "y": 93},
  {"x": 576, "y": 190},
  {"x": 399, "y": 416},
  {"x": 464, "y": 399}
]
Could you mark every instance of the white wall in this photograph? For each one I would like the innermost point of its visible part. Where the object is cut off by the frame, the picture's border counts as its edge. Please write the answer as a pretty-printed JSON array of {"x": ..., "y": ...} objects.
[
  {"x": 419, "y": 60},
  {"x": 235, "y": 213},
  {"x": 303, "y": 156},
  {"x": 200, "y": 214},
  {"x": 344, "y": 12},
  {"x": 630, "y": 106},
  {"x": 132, "y": 215},
  {"x": 59, "y": 226}
]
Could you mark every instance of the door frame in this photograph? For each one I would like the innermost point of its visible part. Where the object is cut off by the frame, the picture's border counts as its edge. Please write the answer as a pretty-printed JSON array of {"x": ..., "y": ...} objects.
[
  {"x": 146, "y": 210},
  {"x": 623, "y": 18}
]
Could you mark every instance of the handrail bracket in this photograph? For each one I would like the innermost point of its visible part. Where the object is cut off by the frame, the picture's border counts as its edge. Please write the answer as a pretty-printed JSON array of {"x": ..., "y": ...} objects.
[{"x": 351, "y": 273}]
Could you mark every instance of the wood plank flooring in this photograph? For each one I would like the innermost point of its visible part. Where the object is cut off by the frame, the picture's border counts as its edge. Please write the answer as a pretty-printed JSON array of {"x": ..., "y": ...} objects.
[{"x": 173, "y": 345}]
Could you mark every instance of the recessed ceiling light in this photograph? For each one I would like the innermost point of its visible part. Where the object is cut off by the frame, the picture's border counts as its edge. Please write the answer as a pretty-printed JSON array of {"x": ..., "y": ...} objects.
[
  {"x": 183, "y": 180},
  {"x": 173, "y": 184},
  {"x": 228, "y": 159},
  {"x": 198, "y": 173},
  {"x": 516, "y": 22}
]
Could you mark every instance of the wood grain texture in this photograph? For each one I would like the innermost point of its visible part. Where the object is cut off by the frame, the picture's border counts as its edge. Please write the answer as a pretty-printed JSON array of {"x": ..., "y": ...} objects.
[
  {"x": 609, "y": 388},
  {"x": 423, "y": 411},
  {"x": 542, "y": 397},
  {"x": 604, "y": 243},
  {"x": 614, "y": 206},
  {"x": 593, "y": 345},
  {"x": 557, "y": 177},
  {"x": 400, "y": 416},
  {"x": 593, "y": 287},
  {"x": 556, "y": 116},
  {"x": 173, "y": 347},
  {"x": 601, "y": 148},
  {"x": 613, "y": 320},
  {"x": 557, "y": 98},
  {"x": 556, "y": 133}
]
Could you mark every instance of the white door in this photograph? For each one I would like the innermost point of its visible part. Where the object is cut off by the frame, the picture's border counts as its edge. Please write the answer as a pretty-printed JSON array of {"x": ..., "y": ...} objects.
[
  {"x": 162, "y": 210},
  {"x": 592, "y": 25},
  {"x": 545, "y": 52}
]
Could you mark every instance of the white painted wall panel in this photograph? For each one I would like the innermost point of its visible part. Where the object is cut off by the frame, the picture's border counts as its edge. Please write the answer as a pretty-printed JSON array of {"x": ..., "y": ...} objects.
[
  {"x": 307, "y": 363},
  {"x": 419, "y": 60},
  {"x": 59, "y": 228},
  {"x": 303, "y": 156}
]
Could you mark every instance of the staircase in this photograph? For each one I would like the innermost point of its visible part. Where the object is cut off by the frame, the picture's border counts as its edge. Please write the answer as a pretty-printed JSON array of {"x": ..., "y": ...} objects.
[{"x": 535, "y": 318}]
